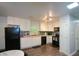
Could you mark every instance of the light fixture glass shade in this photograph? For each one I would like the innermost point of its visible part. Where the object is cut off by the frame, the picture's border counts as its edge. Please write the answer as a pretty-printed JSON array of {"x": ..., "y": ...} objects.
[
  {"x": 50, "y": 19},
  {"x": 50, "y": 13}
]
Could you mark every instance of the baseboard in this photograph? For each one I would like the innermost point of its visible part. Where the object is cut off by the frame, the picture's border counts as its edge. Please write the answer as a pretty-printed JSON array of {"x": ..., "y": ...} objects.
[
  {"x": 36, "y": 46},
  {"x": 1, "y": 50},
  {"x": 68, "y": 53},
  {"x": 31, "y": 47},
  {"x": 73, "y": 53}
]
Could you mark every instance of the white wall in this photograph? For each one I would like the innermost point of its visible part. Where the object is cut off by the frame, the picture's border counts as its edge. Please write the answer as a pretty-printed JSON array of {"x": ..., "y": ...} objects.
[
  {"x": 3, "y": 22},
  {"x": 72, "y": 36},
  {"x": 76, "y": 24},
  {"x": 67, "y": 38},
  {"x": 64, "y": 34}
]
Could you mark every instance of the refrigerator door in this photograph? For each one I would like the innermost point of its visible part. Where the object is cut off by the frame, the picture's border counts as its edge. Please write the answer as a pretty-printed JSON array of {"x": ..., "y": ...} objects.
[{"x": 12, "y": 38}]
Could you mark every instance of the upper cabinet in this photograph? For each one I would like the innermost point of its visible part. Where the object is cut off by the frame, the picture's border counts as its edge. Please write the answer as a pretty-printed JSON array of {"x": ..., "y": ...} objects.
[
  {"x": 33, "y": 25},
  {"x": 49, "y": 25},
  {"x": 13, "y": 20},
  {"x": 43, "y": 26},
  {"x": 23, "y": 23}
]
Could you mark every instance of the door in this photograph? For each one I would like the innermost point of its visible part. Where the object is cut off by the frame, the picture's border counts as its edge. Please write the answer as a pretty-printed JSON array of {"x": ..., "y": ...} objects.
[{"x": 77, "y": 35}]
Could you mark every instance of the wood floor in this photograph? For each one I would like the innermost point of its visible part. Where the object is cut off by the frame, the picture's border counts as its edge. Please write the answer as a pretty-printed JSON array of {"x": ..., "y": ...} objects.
[{"x": 45, "y": 50}]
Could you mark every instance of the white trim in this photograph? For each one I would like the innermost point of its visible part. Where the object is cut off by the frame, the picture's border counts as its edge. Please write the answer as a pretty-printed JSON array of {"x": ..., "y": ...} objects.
[
  {"x": 2, "y": 49},
  {"x": 68, "y": 53},
  {"x": 64, "y": 52},
  {"x": 73, "y": 53}
]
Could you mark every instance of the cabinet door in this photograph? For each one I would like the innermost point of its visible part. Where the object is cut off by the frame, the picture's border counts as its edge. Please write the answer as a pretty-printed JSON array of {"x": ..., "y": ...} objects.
[
  {"x": 13, "y": 21},
  {"x": 26, "y": 42},
  {"x": 24, "y": 23},
  {"x": 36, "y": 41},
  {"x": 50, "y": 26},
  {"x": 43, "y": 26},
  {"x": 23, "y": 43},
  {"x": 49, "y": 39}
]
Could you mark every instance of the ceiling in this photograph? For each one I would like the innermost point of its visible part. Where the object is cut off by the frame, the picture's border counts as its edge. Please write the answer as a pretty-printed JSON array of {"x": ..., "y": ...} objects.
[{"x": 36, "y": 9}]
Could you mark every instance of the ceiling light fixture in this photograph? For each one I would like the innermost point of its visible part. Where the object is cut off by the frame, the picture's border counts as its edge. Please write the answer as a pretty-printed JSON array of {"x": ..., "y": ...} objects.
[
  {"x": 73, "y": 5},
  {"x": 50, "y": 18},
  {"x": 50, "y": 15}
]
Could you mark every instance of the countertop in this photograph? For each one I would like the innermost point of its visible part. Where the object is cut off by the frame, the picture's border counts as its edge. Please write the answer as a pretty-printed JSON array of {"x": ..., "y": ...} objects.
[{"x": 36, "y": 36}]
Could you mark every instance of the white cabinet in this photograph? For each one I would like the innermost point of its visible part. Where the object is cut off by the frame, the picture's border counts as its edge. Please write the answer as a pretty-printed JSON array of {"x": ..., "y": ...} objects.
[
  {"x": 36, "y": 41},
  {"x": 46, "y": 26},
  {"x": 25, "y": 42},
  {"x": 24, "y": 23},
  {"x": 49, "y": 25},
  {"x": 49, "y": 39},
  {"x": 43, "y": 26},
  {"x": 12, "y": 21},
  {"x": 30, "y": 41}
]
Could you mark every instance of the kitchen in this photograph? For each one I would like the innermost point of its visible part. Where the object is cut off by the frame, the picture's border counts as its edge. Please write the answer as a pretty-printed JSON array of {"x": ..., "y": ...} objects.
[
  {"x": 40, "y": 24},
  {"x": 33, "y": 30}
]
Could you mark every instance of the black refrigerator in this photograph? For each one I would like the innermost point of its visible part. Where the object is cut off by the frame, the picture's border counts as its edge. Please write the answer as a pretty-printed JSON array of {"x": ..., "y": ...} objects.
[{"x": 12, "y": 38}]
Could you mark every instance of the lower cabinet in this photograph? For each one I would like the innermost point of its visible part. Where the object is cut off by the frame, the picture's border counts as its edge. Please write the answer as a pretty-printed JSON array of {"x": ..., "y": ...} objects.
[
  {"x": 49, "y": 39},
  {"x": 36, "y": 41},
  {"x": 46, "y": 40},
  {"x": 32, "y": 41},
  {"x": 28, "y": 42}
]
